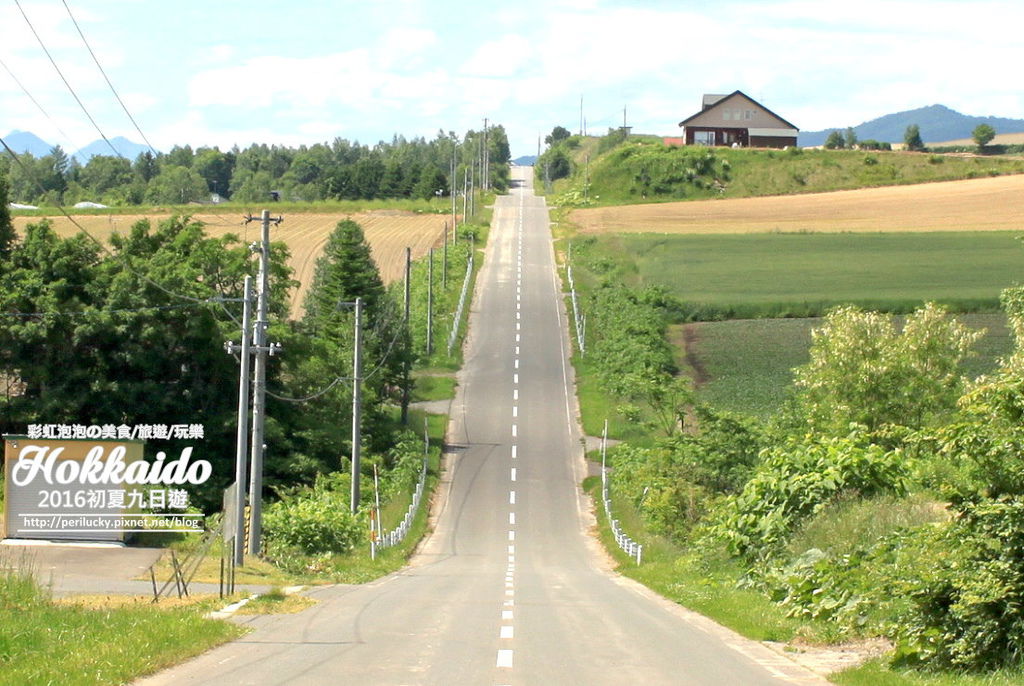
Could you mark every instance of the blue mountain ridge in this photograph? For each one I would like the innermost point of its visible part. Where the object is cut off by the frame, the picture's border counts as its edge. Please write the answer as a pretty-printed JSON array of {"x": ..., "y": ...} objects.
[
  {"x": 938, "y": 123},
  {"x": 26, "y": 141}
]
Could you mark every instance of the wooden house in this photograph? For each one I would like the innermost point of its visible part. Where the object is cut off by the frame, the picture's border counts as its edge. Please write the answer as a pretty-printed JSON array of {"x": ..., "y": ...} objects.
[{"x": 737, "y": 119}]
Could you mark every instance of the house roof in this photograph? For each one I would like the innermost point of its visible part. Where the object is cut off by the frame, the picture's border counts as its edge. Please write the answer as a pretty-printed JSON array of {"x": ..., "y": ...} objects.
[
  {"x": 719, "y": 99},
  {"x": 710, "y": 99}
]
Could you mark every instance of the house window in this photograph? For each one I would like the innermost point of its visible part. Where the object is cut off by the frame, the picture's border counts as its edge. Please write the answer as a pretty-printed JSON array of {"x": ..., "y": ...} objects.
[
  {"x": 726, "y": 114},
  {"x": 749, "y": 114}
]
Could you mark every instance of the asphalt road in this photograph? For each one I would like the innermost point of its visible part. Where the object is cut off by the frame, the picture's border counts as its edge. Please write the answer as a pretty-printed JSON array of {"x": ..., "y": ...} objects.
[{"x": 510, "y": 588}]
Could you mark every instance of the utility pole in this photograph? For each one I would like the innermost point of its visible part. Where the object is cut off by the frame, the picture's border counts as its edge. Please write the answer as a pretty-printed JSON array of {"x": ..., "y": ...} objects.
[
  {"x": 430, "y": 302},
  {"x": 485, "y": 160},
  {"x": 444, "y": 262},
  {"x": 465, "y": 194},
  {"x": 581, "y": 114},
  {"x": 357, "y": 404},
  {"x": 259, "y": 407},
  {"x": 451, "y": 187},
  {"x": 405, "y": 386},
  {"x": 241, "y": 455}
]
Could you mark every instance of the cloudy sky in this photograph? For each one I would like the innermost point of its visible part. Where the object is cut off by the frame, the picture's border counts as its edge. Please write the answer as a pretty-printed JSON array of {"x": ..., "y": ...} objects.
[{"x": 225, "y": 72}]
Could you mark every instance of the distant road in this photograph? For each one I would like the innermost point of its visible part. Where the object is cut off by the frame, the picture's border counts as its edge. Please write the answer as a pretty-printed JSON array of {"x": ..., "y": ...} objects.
[
  {"x": 510, "y": 588},
  {"x": 988, "y": 204}
]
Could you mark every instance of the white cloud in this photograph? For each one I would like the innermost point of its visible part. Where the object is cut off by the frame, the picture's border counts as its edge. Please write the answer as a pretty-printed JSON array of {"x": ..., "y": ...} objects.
[
  {"x": 500, "y": 58},
  {"x": 403, "y": 47}
]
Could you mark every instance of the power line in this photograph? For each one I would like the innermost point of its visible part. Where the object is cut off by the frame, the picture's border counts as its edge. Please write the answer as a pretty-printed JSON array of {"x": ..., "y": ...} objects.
[
  {"x": 97, "y": 241},
  {"x": 96, "y": 311},
  {"x": 112, "y": 89},
  {"x": 62, "y": 78},
  {"x": 36, "y": 103}
]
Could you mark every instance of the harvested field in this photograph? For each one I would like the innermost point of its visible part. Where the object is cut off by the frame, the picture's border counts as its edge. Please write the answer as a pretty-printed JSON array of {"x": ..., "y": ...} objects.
[
  {"x": 989, "y": 204},
  {"x": 1000, "y": 139},
  {"x": 388, "y": 231}
]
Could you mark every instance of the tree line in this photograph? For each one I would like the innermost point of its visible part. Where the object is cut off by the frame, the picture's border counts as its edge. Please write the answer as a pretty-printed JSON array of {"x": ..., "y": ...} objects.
[
  {"x": 127, "y": 334},
  {"x": 340, "y": 170}
]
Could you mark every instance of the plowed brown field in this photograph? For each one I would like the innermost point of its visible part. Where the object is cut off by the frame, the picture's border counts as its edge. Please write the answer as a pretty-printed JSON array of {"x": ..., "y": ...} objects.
[
  {"x": 989, "y": 204},
  {"x": 389, "y": 232}
]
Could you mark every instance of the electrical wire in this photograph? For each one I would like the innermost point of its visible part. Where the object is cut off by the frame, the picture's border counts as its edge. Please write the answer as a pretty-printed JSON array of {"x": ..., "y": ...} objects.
[
  {"x": 337, "y": 380},
  {"x": 107, "y": 79},
  {"x": 91, "y": 312},
  {"x": 36, "y": 103},
  {"x": 62, "y": 78},
  {"x": 97, "y": 241}
]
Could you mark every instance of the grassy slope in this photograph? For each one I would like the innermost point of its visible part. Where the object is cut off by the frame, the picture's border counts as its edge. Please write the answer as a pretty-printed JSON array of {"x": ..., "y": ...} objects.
[
  {"x": 777, "y": 172},
  {"x": 45, "y": 643},
  {"x": 749, "y": 362},
  {"x": 756, "y": 275}
]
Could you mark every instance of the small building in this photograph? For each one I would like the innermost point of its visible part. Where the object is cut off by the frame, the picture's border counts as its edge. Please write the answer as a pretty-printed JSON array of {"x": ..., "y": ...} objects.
[{"x": 739, "y": 120}]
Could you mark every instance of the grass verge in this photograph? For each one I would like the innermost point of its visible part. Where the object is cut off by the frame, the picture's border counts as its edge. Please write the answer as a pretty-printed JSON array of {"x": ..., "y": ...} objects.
[
  {"x": 42, "y": 642},
  {"x": 707, "y": 586}
]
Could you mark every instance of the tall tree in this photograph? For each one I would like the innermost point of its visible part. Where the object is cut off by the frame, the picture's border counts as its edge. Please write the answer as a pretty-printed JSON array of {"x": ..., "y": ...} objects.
[
  {"x": 912, "y": 138},
  {"x": 983, "y": 135},
  {"x": 835, "y": 141},
  {"x": 7, "y": 234}
]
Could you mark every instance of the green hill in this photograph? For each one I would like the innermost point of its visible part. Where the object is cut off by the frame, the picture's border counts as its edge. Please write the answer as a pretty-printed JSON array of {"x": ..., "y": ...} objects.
[{"x": 644, "y": 169}]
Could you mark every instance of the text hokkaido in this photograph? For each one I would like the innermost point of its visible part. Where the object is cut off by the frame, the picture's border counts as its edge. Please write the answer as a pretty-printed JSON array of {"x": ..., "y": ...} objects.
[{"x": 35, "y": 460}]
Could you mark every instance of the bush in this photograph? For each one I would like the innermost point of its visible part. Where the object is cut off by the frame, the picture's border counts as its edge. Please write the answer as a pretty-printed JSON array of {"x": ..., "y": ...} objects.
[
  {"x": 796, "y": 480},
  {"x": 314, "y": 520},
  {"x": 967, "y": 609}
]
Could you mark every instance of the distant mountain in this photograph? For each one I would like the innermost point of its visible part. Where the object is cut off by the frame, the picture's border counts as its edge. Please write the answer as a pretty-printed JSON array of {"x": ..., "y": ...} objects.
[
  {"x": 24, "y": 141},
  {"x": 938, "y": 123},
  {"x": 525, "y": 160},
  {"x": 125, "y": 147}
]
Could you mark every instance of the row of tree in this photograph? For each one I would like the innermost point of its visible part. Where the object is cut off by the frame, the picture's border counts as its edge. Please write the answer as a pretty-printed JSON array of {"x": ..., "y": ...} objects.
[
  {"x": 127, "y": 335},
  {"x": 982, "y": 135},
  {"x": 340, "y": 170}
]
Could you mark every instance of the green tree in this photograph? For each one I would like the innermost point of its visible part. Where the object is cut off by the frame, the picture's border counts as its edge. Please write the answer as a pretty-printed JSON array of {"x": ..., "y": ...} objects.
[
  {"x": 250, "y": 186},
  {"x": 215, "y": 167},
  {"x": 103, "y": 173},
  {"x": 850, "y": 137},
  {"x": 346, "y": 271},
  {"x": 431, "y": 181},
  {"x": 176, "y": 186},
  {"x": 912, "y": 138},
  {"x": 145, "y": 166},
  {"x": 983, "y": 135},
  {"x": 7, "y": 234},
  {"x": 835, "y": 141},
  {"x": 862, "y": 371},
  {"x": 557, "y": 135},
  {"x": 179, "y": 156}
]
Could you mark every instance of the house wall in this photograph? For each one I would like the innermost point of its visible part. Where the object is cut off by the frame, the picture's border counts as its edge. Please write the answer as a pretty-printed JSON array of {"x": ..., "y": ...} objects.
[{"x": 736, "y": 105}]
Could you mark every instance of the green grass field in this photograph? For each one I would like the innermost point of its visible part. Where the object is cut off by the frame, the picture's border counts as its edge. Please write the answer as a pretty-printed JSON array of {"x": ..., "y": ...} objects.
[
  {"x": 644, "y": 171},
  {"x": 785, "y": 275},
  {"x": 748, "y": 363}
]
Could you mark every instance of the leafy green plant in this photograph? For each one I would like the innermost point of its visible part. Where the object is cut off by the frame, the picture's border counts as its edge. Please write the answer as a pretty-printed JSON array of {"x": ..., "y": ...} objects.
[
  {"x": 314, "y": 520},
  {"x": 797, "y": 479}
]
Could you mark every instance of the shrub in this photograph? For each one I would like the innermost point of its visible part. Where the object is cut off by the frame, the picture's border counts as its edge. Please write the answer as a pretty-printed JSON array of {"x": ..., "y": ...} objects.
[
  {"x": 967, "y": 606},
  {"x": 863, "y": 371},
  {"x": 796, "y": 480},
  {"x": 314, "y": 520}
]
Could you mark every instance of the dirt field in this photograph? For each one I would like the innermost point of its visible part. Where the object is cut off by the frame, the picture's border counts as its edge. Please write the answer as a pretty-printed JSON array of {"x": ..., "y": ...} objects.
[
  {"x": 388, "y": 231},
  {"x": 989, "y": 204},
  {"x": 1000, "y": 139}
]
